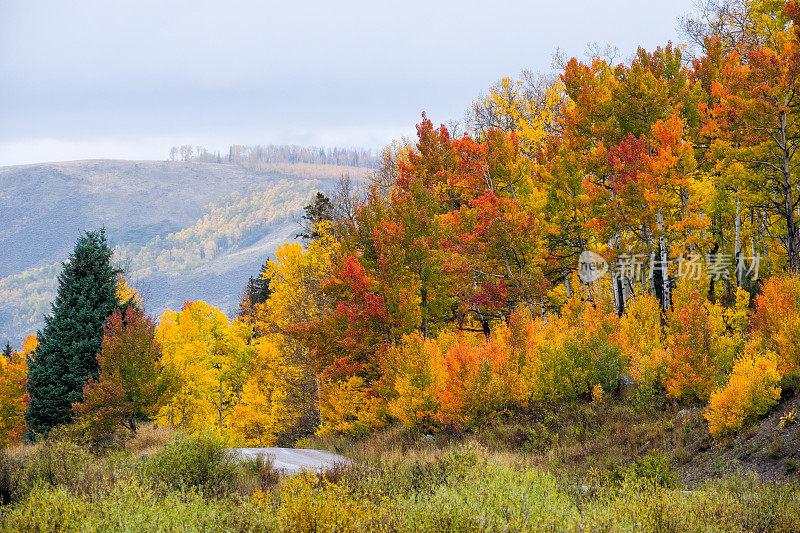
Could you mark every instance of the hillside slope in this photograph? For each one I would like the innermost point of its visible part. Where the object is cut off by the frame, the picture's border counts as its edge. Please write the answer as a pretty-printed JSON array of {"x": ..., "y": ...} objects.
[{"x": 184, "y": 230}]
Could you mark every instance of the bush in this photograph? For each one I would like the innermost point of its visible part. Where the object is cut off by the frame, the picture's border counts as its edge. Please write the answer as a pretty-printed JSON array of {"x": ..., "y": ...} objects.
[
  {"x": 655, "y": 467},
  {"x": 776, "y": 321},
  {"x": 690, "y": 365},
  {"x": 197, "y": 461},
  {"x": 308, "y": 503},
  {"x": 790, "y": 384},
  {"x": 54, "y": 463},
  {"x": 259, "y": 469},
  {"x": 751, "y": 392},
  {"x": 10, "y": 472}
]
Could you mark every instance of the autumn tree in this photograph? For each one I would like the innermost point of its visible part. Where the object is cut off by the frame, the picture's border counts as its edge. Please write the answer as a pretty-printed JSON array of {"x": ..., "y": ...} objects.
[
  {"x": 752, "y": 119},
  {"x": 208, "y": 356},
  {"x": 267, "y": 411},
  {"x": 68, "y": 345},
  {"x": 131, "y": 384},
  {"x": 13, "y": 396}
]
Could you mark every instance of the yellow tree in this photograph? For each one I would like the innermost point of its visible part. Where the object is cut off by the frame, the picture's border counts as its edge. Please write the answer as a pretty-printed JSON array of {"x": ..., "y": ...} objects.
[
  {"x": 13, "y": 397},
  {"x": 530, "y": 106},
  {"x": 279, "y": 398},
  {"x": 208, "y": 355},
  {"x": 265, "y": 409}
]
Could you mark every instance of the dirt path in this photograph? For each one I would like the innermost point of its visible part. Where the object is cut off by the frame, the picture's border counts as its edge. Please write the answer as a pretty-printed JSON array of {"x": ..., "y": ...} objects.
[{"x": 291, "y": 461}]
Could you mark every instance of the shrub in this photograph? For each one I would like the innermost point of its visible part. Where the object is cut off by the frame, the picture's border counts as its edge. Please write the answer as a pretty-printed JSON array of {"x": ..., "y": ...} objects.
[
  {"x": 10, "y": 471},
  {"x": 312, "y": 504},
  {"x": 641, "y": 339},
  {"x": 655, "y": 467},
  {"x": 790, "y": 384},
  {"x": 260, "y": 470},
  {"x": 751, "y": 392},
  {"x": 776, "y": 321},
  {"x": 54, "y": 463},
  {"x": 479, "y": 381},
  {"x": 349, "y": 407},
  {"x": 194, "y": 461},
  {"x": 416, "y": 402}
]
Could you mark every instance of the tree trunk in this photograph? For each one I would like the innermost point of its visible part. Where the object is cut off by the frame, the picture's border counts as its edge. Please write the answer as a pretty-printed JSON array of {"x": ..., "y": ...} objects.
[
  {"x": 662, "y": 245},
  {"x": 737, "y": 242}
]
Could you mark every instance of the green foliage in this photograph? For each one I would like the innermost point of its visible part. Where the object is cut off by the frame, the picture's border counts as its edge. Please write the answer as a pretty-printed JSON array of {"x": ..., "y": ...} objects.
[
  {"x": 54, "y": 463},
  {"x": 71, "y": 338},
  {"x": 790, "y": 384},
  {"x": 10, "y": 469},
  {"x": 654, "y": 467},
  {"x": 131, "y": 384},
  {"x": 198, "y": 461},
  {"x": 460, "y": 489},
  {"x": 130, "y": 506}
]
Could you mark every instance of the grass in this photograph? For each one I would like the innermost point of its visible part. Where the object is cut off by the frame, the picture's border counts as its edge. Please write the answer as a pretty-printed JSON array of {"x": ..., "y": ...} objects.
[
  {"x": 464, "y": 488},
  {"x": 572, "y": 467}
]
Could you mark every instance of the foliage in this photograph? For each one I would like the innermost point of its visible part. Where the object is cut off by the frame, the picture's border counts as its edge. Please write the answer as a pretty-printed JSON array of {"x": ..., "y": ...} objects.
[
  {"x": 265, "y": 410},
  {"x": 13, "y": 395},
  {"x": 751, "y": 391},
  {"x": 690, "y": 367},
  {"x": 199, "y": 461},
  {"x": 71, "y": 338},
  {"x": 131, "y": 384},
  {"x": 776, "y": 321},
  {"x": 208, "y": 355}
]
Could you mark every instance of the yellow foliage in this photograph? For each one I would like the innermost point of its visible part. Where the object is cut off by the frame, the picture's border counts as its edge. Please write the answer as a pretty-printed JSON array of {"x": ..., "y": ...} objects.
[
  {"x": 312, "y": 504},
  {"x": 751, "y": 392},
  {"x": 126, "y": 293},
  {"x": 597, "y": 393},
  {"x": 296, "y": 278},
  {"x": 12, "y": 394},
  {"x": 349, "y": 407},
  {"x": 209, "y": 356},
  {"x": 263, "y": 410},
  {"x": 416, "y": 364},
  {"x": 641, "y": 340}
]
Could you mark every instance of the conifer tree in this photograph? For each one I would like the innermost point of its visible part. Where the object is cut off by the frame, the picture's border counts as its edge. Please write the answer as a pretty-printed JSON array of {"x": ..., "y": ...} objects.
[{"x": 70, "y": 341}]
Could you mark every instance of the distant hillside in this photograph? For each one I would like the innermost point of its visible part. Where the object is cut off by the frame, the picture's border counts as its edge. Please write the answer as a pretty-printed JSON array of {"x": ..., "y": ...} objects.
[{"x": 185, "y": 230}]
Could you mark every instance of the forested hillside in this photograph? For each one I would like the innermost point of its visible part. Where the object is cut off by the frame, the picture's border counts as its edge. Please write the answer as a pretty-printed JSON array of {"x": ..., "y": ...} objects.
[{"x": 171, "y": 223}]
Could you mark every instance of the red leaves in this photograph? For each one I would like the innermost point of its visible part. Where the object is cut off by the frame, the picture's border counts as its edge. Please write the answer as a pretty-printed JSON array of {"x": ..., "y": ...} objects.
[
  {"x": 347, "y": 341},
  {"x": 627, "y": 161}
]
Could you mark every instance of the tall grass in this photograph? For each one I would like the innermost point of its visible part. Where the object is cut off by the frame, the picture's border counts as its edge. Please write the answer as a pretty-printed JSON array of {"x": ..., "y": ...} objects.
[{"x": 192, "y": 484}]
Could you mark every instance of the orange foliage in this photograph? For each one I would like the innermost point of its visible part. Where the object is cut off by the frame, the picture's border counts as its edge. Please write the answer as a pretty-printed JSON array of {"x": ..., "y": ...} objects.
[
  {"x": 13, "y": 396},
  {"x": 690, "y": 369},
  {"x": 480, "y": 380},
  {"x": 776, "y": 321}
]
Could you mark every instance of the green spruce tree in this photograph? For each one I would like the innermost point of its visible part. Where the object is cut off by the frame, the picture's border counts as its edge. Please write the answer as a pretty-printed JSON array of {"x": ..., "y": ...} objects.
[{"x": 70, "y": 341}]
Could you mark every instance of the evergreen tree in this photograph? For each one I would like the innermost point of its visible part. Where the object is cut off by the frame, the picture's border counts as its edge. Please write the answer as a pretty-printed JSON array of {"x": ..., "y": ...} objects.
[
  {"x": 70, "y": 341},
  {"x": 8, "y": 351},
  {"x": 257, "y": 291},
  {"x": 318, "y": 211}
]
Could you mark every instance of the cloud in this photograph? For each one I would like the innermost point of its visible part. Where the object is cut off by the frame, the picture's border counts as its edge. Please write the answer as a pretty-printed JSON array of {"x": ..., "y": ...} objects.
[{"x": 88, "y": 77}]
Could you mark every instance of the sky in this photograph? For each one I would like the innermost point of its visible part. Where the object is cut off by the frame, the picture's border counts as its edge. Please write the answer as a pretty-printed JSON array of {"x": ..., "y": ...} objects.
[{"x": 129, "y": 79}]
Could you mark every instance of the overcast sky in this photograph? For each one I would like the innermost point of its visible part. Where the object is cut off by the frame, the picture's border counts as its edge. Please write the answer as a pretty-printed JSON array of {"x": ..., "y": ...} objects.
[{"x": 128, "y": 79}]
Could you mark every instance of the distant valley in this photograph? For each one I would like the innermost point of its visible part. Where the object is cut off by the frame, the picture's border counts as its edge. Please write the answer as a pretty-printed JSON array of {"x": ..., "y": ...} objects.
[{"x": 183, "y": 230}]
